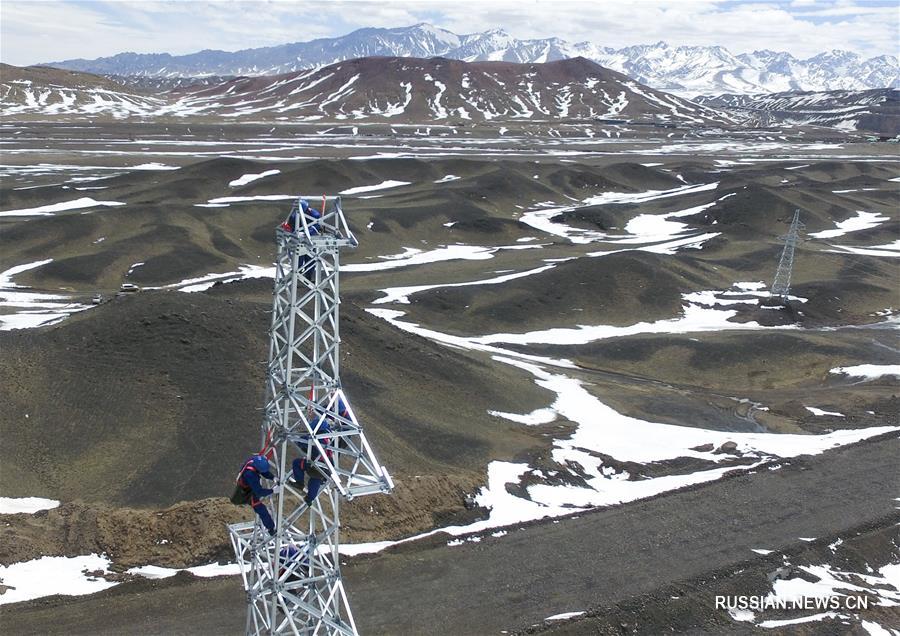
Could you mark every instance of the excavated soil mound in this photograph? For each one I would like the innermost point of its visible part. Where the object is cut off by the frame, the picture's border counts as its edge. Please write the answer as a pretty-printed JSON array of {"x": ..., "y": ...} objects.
[
  {"x": 189, "y": 533},
  {"x": 194, "y": 533}
]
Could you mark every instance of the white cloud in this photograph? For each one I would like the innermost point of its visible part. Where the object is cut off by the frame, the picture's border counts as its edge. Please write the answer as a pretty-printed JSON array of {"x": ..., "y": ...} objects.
[
  {"x": 740, "y": 28},
  {"x": 35, "y": 32}
]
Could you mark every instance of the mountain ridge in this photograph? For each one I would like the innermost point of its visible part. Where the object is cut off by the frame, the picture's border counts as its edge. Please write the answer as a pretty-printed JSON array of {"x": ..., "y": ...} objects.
[
  {"x": 683, "y": 70},
  {"x": 388, "y": 89}
]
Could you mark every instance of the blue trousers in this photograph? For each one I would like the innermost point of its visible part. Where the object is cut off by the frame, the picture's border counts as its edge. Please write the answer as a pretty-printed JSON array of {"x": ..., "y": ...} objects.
[
  {"x": 298, "y": 467},
  {"x": 264, "y": 516}
]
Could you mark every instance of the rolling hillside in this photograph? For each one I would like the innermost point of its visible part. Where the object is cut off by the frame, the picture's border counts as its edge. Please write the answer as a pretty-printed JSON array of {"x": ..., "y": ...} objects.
[{"x": 380, "y": 89}]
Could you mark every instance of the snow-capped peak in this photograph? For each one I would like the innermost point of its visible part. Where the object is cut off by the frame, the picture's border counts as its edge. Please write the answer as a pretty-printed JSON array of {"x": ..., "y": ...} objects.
[{"x": 686, "y": 70}]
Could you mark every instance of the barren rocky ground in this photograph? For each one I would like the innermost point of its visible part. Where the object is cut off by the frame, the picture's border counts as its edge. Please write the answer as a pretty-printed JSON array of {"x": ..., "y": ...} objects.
[
  {"x": 623, "y": 568},
  {"x": 701, "y": 419}
]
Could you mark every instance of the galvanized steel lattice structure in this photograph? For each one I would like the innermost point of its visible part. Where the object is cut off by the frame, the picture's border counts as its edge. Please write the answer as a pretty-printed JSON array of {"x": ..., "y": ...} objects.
[
  {"x": 293, "y": 579},
  {"x": 782, "y": 284}
]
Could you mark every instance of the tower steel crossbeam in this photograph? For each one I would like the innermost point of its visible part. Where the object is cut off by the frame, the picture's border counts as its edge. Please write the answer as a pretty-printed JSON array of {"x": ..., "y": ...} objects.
[
  {"x": 292, "y": 578},
  {"x": 782, "y": 284}
]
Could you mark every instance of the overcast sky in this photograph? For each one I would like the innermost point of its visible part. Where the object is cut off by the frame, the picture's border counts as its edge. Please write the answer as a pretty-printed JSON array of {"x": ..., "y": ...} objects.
[{"x": 35, "y": 31}]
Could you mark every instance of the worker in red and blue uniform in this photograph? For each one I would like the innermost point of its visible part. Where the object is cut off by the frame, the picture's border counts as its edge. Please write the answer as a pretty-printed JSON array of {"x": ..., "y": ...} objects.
[
  {"x": 302, "y": 467},
  {"x": 249, "y": 478},
  {"x": 306, "y": 263},
  {"x": 311, "y": 465},
  {"x": 312, "y": 215},
  {"x": 290, "y": 557}
]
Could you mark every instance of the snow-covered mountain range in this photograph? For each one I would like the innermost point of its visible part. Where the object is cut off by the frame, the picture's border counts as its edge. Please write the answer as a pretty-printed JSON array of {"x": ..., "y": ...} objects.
[
  {"x": 383, "y": 89},
  {"x": 684, "y": 70}
]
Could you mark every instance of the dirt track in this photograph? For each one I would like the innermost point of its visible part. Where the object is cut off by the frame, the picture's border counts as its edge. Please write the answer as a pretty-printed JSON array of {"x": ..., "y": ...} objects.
[{"x": 547, "y": 568}]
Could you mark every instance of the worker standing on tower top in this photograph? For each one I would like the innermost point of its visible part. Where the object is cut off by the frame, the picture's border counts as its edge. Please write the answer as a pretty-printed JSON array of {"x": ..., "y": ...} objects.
[
  {"x": 306, "y": 265},
  {"x": 249, "y": 489},
  {"x": 293, "y": 219}
]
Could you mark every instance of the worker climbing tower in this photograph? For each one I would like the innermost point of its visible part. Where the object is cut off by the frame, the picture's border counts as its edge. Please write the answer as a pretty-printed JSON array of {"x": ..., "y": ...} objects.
[
  {"x": 292, "y": 578},
  {"x": 782, "y": 285}
]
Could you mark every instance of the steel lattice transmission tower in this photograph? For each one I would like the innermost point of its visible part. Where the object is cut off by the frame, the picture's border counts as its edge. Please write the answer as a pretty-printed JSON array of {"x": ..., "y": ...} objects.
[
  {"x": 782, "y": 284},
  {"x": 293, "y": 579}
]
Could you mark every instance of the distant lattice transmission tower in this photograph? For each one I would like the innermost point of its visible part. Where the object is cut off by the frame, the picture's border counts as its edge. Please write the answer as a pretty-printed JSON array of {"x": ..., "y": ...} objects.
[
  {"x": 782, "y": 285},
  {"x": 293, "y": 579}
]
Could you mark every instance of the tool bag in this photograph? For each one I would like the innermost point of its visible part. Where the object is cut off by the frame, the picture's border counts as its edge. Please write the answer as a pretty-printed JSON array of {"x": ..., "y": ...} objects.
[{"x": 241, "y": 496}]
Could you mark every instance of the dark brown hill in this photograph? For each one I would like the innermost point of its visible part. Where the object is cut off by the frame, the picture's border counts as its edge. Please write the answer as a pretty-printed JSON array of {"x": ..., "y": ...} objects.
[
  {"x": 49, "y": 76},
  {"x": 385, "y": 89},
  {"x": 34, "y": 90},
  {"x": 156, "y": 398},
  {"x": 444, "y": 90},
  {"x": 162, "y": 226},
  {"x": 619, "y": 289}
]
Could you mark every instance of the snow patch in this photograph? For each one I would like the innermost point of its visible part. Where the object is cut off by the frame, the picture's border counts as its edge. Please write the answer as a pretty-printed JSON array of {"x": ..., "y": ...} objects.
[
  {"x": 50, "y": 575},
  {"x": 536, "y": 417},
  {"x": 645, "y": 227},
  {"x": 869, "y": 371},
  {"x": 371, "y": 188},
  {"x": 697, "y": 316},
  {"x": 205, "y": 571},
  {"x": 799, "y": 621},
  {"x": 30, "y": 309},
  {"x": 413, "y": 256},
  {"x": 225, "y": 201},
  {"x": 563, "y": 616},
  {"x": 401, "y": 294},
  {"x": 891, "y": 250},
  {"x": 250, "y": 178},
  {"x": 25, "y": 505},
  {"x": 816, "y": 411},
  {"x": 46, "y": 210},
  {"x": 862, "y": 221},
  {"x": 202, "y": 283}
]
